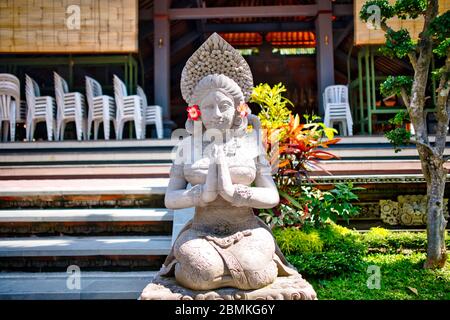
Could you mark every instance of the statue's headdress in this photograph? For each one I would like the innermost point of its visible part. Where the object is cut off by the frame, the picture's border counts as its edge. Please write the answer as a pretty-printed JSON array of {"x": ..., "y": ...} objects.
[{"x": 216, "y": 56}]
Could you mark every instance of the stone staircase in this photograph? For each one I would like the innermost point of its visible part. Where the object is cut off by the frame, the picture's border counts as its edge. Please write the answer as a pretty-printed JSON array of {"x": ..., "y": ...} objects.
[
  {"x": 99, "y": 206},
  {"x": 115, "y": 230},
  {"x": 138, "y": 152}
]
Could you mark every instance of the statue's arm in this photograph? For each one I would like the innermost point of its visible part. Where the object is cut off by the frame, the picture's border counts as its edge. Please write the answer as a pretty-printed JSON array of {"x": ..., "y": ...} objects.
[
  {"x": 177, "y": 196},
  {"x": 265, "y": 193}
]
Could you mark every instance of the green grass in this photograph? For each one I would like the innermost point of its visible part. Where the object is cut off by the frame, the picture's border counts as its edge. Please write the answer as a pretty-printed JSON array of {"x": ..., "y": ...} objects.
[
  {"x": 398, "y": 272},
  {"x": 335, "y": 260}
]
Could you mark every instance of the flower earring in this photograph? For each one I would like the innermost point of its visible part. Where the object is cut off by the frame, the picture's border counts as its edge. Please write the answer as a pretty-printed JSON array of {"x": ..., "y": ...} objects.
[
  {"x": 193, "y": 112},
  {"x": 243, "y": 109}
]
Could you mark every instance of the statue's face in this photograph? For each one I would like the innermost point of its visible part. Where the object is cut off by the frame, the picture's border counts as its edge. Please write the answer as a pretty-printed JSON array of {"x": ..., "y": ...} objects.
[{"x": 217, "y": 111}]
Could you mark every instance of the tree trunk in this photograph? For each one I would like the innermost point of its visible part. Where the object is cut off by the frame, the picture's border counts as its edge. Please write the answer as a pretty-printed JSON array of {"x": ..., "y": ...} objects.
[{"x": 436, "y": 176}]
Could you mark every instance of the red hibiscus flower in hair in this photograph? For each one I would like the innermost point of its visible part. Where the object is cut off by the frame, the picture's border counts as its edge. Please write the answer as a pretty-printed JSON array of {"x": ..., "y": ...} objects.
[
  {"x": 193, "y": 112},
  {"x": 243, "y": 109}
]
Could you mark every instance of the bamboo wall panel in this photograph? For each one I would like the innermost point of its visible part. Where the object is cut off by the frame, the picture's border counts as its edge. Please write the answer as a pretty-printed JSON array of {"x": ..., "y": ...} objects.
[
  {"x": 364, "y": 35},
  {"x": 49, "y": 26}
]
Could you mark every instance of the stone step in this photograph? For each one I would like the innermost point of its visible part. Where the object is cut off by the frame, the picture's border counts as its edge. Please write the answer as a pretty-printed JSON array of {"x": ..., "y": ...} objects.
[
  {"x": 84, "y": 152},
  {"x": 91, "y": 144},
  {"x": 93, "y": 171},
  {"x": 96, "y": 157},
  {"x": 64, "y": 187},
  {"x": 386, "y": 152},
  {"x": 86, "y": 215},
  {"x": 161, "y": 152},
  {"x": 84, "y": 246},
  {"x": 85, "y": 171},
  {"x": 158, "y": 157},
  {"x": 54, "y": 285},
  {"x": 82, "y": 193},
  {"x": 90, "y": 253},
  {"x": 79, "y": 222}
]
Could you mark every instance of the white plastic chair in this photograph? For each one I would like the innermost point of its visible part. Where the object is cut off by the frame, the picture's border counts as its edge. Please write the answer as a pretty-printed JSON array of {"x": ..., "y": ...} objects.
[
  {"x": 71, "y": 107},
  {"x": 9, "y": 102},
  {"x": 152, "y": 115},
  {"x": 337, "y": 108},
  {"x": 40, "y": 108},
  {"x": 129, "y": 108},
  {"x": 22, "y": 112},
  {"x": 101, "y": 109}
]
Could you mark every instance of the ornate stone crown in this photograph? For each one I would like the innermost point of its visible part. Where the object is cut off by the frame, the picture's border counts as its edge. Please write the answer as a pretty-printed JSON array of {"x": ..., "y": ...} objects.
[{"x": 216, "y": 56}]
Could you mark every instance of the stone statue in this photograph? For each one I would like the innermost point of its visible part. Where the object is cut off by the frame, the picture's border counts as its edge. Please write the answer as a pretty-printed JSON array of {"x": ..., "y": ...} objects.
[{"x": 225, "y": 251}]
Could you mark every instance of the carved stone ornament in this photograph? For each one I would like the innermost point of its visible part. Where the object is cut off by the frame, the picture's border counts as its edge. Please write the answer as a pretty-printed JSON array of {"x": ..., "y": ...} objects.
[
  {"x": 389, "y": 212},
  {"x": 408, "y": 210},
  {"x": 216, "y": 56},
  {"x": 283, "y": 288}
]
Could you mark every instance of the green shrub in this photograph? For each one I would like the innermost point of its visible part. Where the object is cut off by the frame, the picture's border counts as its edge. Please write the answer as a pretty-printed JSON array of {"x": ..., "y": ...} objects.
[
  {"x": 379, "y": 239},
  {"x": 293, "y": 241},
  {"x": 322, "y": 252},
  {"x": 333, "y": 250}
]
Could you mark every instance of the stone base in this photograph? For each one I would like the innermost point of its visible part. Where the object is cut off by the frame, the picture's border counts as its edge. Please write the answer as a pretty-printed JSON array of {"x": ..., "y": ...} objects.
[{"x": 283, "y": 288}]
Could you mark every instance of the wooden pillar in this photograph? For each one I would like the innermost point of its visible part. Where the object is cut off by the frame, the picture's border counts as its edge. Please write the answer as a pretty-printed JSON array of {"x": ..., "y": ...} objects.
[
  {"x": 324, "y": 50},
  {"x": 161, "y": 68}
]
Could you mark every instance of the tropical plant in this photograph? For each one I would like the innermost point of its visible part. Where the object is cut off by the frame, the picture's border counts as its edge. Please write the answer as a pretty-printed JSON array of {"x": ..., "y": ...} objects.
[
  {"x": 294, "y": 150},
  {"x": 298, "y": 149},
  {"x": 274, "y": 107},
  {"x": 399, "y": 136},
  {"x": 310, "y": 206}
]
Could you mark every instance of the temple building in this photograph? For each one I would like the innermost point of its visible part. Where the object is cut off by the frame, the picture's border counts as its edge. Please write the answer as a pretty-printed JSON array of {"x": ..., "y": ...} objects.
[{"x": 305, "y": 44}]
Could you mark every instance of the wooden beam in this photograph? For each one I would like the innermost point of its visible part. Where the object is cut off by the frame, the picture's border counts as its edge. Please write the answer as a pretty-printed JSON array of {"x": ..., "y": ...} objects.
[
  {"x": 343, "y": 34},
  {"x": 340, "y": 74},
  {"x": 145, "y": 14},
  {"x": 309, "y": 10},
  {"x": 185, "y": 40},
  {"x": 145, "y": 30},
  {"x": 339, "y": 54},
  {"x": 259, "y": 27},
  {"x": 162, "y": 56},
  {"x": 324, "y": 53},
  {"x": 240, "y": 12},
  {"x": 340, "y": 10},
  {"x": 200, "y": 24}
]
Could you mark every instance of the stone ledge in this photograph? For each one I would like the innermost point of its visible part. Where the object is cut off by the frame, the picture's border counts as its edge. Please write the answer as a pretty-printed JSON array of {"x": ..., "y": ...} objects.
[{"x": 283, "y": 288}]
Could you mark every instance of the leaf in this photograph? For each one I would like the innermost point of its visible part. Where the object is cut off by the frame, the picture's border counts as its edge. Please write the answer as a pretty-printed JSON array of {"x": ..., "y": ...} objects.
[
  {"x": 311, "y": 125},
  {"x": 329, "y": 132},
  {"x": 291, "y": 200},
  {"x": 289, "y": 151},
  {"x": 284, "y": 163},
  {"x": 289, "y": 171},
  {"x": 322, "y": 155},
  {"x": 296, "y": 122},
  {"x": 325, "y": 144},
  {"x": 413, "y": 290},
  {"x": 315, "y": 165}
]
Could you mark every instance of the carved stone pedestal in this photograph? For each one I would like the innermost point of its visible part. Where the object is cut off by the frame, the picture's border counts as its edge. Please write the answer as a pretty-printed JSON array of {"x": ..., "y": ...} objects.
[{"x": 283, "y": 288}]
